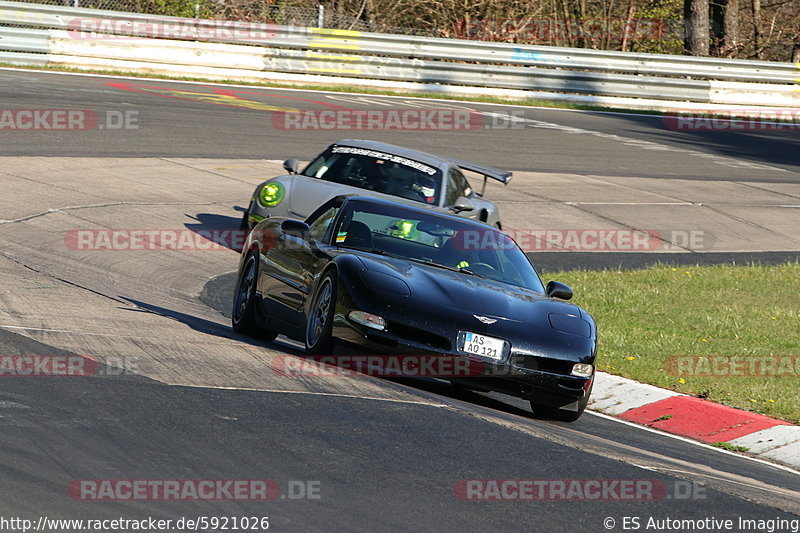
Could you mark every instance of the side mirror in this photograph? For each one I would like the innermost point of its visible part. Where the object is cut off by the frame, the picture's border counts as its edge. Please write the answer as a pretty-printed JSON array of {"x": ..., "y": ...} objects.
[
  {"x": 296, "y": 228},
  {"x": 291, "y": 165},
  {"x": 462, "y": 204},
  {"x": 558, "y": 290}
]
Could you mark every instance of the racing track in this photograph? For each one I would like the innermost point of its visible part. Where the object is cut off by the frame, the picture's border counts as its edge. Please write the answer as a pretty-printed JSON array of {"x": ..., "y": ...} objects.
[{"x": 201, "y": 402}]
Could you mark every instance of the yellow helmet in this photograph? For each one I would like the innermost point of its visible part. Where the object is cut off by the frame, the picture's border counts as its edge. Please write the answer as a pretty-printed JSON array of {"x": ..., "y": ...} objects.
[{"x": 404, "y": 229}]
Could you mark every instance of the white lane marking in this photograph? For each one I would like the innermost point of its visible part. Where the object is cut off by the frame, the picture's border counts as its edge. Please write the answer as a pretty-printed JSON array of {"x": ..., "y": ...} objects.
[
  {"x": 687, "y": 473},
  {"x": 637, "y": 143},
  {"x": 314, "y": 393},
  {"x": 47, "y": 330},
  {"x": 694, "y": 442},
  {"x": 639, "y": 203},
  {"x": 12, "y": 405}
]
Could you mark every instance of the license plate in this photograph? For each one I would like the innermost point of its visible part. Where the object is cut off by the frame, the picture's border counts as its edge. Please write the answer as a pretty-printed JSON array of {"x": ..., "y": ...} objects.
[{"x": 482, "y": 345}]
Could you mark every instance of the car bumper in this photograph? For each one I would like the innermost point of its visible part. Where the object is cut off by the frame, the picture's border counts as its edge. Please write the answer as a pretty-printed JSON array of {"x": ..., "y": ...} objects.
[{"x": 510, "y": 376}]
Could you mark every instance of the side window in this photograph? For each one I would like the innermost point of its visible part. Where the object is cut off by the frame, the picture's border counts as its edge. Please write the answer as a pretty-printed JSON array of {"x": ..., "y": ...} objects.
[
  {"x": 319, "y": 226},
  {"x": 457, "y": 185},
  {"x": 320, "y": 166}
]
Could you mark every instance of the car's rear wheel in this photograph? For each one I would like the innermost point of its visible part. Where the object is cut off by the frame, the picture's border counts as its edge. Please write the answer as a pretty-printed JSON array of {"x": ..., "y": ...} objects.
[
  {"x": 319, "y": 326},
  {"x": 243, "y": 317},
  {"x": 554, "y": 413}
]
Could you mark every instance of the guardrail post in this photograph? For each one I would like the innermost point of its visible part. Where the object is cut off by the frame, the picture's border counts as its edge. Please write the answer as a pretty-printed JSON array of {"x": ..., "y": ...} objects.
[{"x": 320, "y": 16}]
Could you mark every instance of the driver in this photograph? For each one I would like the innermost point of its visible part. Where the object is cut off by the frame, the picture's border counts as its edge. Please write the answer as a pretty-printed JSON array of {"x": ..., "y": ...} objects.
[{"x": 425, "y": 186}]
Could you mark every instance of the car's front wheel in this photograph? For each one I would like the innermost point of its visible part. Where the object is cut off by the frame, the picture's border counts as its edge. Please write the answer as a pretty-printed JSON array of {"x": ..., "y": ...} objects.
[
  {"x": 319, "y": 326},
  {"x": 243, "y": 317}
]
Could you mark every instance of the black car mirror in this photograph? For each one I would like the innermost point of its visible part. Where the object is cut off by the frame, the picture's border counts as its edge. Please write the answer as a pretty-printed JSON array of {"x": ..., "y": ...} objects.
[
  {"x": 558, "y": 290},
  {"x": 291, "y": 165},
  {"x": 296, "y": 228},
  {"x": 463, "y": 204}
]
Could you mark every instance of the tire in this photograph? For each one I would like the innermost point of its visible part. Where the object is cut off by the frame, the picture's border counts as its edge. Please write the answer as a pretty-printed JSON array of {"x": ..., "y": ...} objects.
[
  {"x": 319, "y": 325},
  {"x": 554, "y": 413},
  {"x": 244, "y": 226},
  {"x": 243, "y": 317}
]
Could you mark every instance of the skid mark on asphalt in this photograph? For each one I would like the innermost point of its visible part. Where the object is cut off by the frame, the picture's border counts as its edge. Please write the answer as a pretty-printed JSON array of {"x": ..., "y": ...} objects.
[
  {"x": 99, "y": 206},
  {"x": 313, "y": 393},
  {"x": 249, "y": 182}
]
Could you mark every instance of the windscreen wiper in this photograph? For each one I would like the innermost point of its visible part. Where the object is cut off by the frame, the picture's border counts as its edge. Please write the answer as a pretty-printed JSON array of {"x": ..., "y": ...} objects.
[{"x": 465, "y": 270}]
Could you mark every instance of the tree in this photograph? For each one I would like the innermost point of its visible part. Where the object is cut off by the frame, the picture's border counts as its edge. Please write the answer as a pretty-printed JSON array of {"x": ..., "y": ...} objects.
[
  {"x": 758, "y": 32},
  {"x": 725, "y": 27},
  {"x": 695, "y": 20}
]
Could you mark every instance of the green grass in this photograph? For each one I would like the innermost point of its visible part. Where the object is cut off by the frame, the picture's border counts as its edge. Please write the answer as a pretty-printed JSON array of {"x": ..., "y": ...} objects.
[
  {"x": 730, "y": 447},
  {"x": 647, "y": 316}
]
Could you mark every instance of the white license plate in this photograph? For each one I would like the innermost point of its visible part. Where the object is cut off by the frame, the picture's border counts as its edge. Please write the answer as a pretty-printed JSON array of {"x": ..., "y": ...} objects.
[{"x": 482, "y": 345}]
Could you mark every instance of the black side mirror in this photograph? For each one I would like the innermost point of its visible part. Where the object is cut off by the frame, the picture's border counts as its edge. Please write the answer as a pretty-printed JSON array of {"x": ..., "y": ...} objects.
[
  {"x": 291, "y": 165},
  {"x": 297, "y": 228},
  {"x": 558, "y": 290},
  {"x": 462, "y": 203}
]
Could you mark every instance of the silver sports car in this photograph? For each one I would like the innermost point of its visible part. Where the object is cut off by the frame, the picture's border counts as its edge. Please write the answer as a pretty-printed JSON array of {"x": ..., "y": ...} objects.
[{"x": 375, "y": 169}]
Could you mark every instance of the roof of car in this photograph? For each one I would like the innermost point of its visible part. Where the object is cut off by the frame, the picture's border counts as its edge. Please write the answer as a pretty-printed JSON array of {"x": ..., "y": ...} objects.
[
  {"x": 416, "y": 155},
  {"x": 423, "y": 157}
]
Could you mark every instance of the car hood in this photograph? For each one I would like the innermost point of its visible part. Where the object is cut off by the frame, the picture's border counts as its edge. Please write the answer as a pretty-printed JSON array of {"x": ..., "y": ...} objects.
[
  {"x": 471, "y": 294},
  {"x": 306, "y": 194}
]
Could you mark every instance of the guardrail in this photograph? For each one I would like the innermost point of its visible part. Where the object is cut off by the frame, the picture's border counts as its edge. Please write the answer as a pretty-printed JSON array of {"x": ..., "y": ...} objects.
[{"x": 84, "y": 38}]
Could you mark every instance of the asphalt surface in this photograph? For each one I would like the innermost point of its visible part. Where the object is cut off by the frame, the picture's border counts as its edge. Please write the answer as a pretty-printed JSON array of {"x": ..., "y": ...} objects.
[
  {"x": 378, "y": 466},
  {"x": 175, "y": 125},
  {"x": 201, "y": 402}
]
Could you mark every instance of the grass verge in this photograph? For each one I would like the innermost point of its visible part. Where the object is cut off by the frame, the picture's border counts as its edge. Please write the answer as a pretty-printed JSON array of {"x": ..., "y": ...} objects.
[{"x": 649, "y": 318}]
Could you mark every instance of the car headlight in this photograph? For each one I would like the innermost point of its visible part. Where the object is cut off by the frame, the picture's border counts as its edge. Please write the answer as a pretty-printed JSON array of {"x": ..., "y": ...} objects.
[
  {"x": 384, "y": 282},
  {"x": 583, "y": 370},
  {"x": 367, "y": 319},
  {"x": 570, "y": 324},
  {"x": 271, "y": 194}
]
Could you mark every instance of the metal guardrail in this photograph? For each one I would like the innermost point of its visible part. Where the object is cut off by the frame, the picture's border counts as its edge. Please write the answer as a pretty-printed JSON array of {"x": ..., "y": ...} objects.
[{"x": 39, "y": 28}]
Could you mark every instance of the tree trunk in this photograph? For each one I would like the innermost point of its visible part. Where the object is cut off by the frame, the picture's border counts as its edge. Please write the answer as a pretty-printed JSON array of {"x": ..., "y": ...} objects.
[
  {"x": 626, "y": 32},
  {"x": 725, "y": 27},
  {"x": 758, "y": 36},
  {"x": 695, "y": 17}
]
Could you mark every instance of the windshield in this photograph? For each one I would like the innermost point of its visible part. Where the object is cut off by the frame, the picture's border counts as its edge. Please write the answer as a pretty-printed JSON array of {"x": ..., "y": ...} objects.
[
  {"x": 439, "y": 241},
  {"x": 379, "y": 172}
]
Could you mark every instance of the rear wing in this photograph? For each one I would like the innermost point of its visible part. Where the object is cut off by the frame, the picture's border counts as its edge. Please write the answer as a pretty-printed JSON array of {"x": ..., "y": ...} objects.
[{"x": 503, "y": 176}]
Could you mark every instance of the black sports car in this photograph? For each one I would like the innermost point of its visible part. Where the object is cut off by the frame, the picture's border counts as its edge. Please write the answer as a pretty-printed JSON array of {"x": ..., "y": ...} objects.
[{"x": 394, "y": 278}]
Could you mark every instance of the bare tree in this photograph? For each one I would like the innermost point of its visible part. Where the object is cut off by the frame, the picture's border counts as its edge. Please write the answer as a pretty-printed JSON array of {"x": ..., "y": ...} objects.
[
  {"x": 724, "y": 27},
  {"x": 758, "y": 32},
  {"x": 695, "y": 18}
]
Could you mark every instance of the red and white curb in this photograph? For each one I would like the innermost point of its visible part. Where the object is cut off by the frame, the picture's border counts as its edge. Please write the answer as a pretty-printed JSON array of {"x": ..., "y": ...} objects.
[{"x": 695, "y": 418}]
